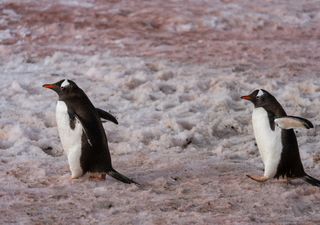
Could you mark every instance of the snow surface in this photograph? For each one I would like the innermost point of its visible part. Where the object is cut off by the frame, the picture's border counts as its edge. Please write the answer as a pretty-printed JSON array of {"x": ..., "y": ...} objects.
[
  {"x": 183, "y": 133},
  {"x": 187, "y": 138}
]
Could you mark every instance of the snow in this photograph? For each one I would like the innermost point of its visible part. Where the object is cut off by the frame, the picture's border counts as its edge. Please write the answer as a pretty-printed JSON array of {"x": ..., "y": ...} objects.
[
  {"x": 4, "y": 35},
  {"x": 189, "y": 142},
  {"x": 183, "y": 133}
]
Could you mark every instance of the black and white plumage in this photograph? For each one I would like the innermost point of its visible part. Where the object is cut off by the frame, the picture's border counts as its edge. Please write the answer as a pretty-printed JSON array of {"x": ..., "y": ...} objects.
[
  {"x": 81, "y": 132},
  {"x": 276, "y": 140}
]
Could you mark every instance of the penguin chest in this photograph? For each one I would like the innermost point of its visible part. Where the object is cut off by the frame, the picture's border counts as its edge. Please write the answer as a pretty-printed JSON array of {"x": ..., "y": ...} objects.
[
  {"x": 70, "y": 134},
  {"x": 268, "y": 141}
]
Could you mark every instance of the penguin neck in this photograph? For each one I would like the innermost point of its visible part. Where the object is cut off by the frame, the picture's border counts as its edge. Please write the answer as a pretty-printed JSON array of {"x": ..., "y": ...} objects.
[
  {"x": 274, "y": 109},
  {"x": 260, "y": 112}
]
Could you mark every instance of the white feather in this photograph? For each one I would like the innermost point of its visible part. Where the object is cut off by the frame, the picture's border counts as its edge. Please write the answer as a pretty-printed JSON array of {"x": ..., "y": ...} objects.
[
  {"x": 260, "y": 93},
  {"x": 268, "y": 141},
  {"x": 65, "y": 83},
  {"x": 70, "y": 138},
  {"x": 290, "y": 123}
]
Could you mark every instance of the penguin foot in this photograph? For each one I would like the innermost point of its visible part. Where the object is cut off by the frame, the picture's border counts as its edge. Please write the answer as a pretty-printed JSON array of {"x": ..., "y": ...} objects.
[
  {"x": 288, "y": 181},
  {"x": 74, "y": 180},
  {"x": 283, "y": 181},
  {"x": 97, "y": 177},
  {"x": 258, "y": 178}
]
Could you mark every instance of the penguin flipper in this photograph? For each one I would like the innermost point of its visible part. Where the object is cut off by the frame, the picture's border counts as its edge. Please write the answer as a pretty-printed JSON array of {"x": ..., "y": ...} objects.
[
  {"x": 118, "y": 176},
  {"x": 311, "y": 180},
  {"x": 290, "y": 122},
  {"x": 90, "y": 139},
  {"x": 107, "y": 116}
]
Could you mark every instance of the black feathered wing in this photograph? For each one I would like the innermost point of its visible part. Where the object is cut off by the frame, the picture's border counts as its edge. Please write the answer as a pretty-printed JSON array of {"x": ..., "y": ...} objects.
[
  {"x": 92, "y": 133},
  {"x": 107, "y": 116},
  {"x": 92, "y": 136}
]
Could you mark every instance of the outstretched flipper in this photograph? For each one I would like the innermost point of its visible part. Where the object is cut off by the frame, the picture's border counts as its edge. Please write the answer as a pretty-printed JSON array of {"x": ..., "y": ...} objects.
[
  {"x": 121, "y": 177},
  {"x": 311, "y": 180},
  {"x": 107, "y": 116},
  {"x": 258, "y": 178},
  {"x": 290, "y": 122}
]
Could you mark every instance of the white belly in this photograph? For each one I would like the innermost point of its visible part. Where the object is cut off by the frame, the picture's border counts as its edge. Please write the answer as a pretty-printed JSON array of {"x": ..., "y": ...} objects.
[
  {"x": 70, "y": 138},
  {"x": 268, "y": 141}
]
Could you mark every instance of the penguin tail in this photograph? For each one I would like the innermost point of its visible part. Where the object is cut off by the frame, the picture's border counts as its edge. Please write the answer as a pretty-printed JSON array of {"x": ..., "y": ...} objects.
[
  {"x": 313, "y": 181},
  {"x": 118, "y": 176}
]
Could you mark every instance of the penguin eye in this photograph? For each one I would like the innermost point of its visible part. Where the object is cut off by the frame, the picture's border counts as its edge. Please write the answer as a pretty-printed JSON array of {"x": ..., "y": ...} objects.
[
  {"x": 260, "y": 98},
  {"x": 259, "y": 95}
]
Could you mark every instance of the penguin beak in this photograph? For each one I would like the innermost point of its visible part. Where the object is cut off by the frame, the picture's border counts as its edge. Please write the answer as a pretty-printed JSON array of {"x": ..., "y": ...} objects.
[
  {"x": 50, "y": 86},
  {"x": 53, "y": 87},
  {"x": 247, "y": 97}
]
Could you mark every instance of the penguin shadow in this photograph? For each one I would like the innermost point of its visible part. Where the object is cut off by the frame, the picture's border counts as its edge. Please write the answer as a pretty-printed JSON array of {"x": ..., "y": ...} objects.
[{"x": 164, "y": 178}]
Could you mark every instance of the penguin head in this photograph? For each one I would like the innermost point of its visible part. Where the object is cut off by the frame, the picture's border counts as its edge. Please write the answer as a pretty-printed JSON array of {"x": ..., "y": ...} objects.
[
  {"x": 260, "y": 98},
  {"x": 64, "y": 88}
]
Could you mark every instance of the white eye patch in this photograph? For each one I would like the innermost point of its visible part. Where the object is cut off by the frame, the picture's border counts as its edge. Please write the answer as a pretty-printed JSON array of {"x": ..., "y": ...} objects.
[
  {"x": 65, "y": 83},
  {"x": 260, "y": 93}
]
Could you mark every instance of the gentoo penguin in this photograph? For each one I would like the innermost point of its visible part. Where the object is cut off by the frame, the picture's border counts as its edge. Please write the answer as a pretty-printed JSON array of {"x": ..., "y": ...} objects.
[
  {"x": 276, "y": 140},
  {"x": 81, "y": 132}
]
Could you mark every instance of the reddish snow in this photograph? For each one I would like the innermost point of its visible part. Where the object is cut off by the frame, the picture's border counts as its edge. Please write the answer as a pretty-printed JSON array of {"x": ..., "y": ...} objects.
[{"x": 172, "y": 72}]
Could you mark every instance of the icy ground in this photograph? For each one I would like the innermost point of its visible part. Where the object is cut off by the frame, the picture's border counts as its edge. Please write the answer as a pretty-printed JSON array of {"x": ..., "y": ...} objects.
[{"x": 174, "y": 83}]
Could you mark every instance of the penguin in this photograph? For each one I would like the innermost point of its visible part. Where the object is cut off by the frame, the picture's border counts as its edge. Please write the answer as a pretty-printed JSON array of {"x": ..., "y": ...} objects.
[
  {"x": 276, "y": 140},
  {"x": 81, "y": 133}
]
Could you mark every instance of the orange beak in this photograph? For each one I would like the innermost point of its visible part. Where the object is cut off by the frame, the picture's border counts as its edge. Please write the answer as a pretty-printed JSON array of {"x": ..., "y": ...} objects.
[
  {"x": 50, "y": 86},
  {"x": 247, "y": 97}
]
